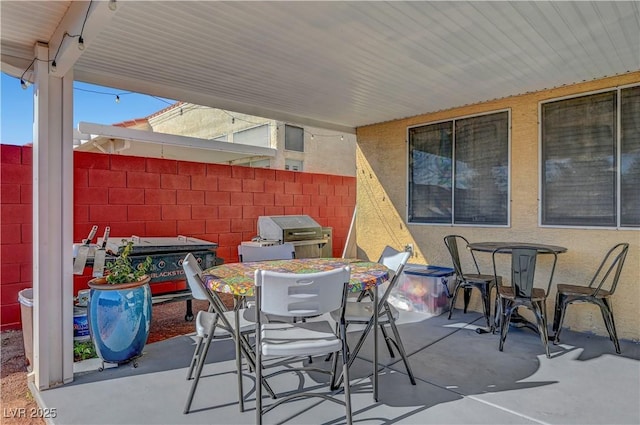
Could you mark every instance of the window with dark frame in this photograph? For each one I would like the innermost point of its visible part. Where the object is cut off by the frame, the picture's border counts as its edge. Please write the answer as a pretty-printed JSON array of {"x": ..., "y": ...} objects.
[
  {"x": 459, "y": 171},
  {"x": 590, "y": 171},
  {"x": 293, "y": 138}
]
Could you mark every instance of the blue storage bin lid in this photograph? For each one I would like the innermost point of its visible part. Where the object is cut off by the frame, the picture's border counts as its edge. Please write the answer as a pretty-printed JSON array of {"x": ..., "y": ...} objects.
[{"x": 431, "y": 271}]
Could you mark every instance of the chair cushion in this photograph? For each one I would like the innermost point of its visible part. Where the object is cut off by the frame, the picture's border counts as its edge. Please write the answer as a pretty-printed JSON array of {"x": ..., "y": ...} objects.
[
  {"x": 537, "y": 294},
  {"x": 581, "y": 290},
  {"x": 286, "y": 339}
]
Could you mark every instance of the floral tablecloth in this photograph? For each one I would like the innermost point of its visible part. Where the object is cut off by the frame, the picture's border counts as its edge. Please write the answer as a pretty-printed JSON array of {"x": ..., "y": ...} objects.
[{"x": 237, "y": 278}]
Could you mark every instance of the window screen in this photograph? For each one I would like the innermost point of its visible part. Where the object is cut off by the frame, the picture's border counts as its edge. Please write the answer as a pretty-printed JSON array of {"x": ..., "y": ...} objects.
[
  {"x": 459, "y": 171},
  {"x": 293, "y": 138},
  {"x": 579, "y": 161},
  {"x": 587, "y": 164},
  {"x": 630, "y": 158}
]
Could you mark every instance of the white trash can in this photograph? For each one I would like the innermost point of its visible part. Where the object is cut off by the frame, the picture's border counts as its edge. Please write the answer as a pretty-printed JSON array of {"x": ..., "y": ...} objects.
[{"x": 26, "y": 313}]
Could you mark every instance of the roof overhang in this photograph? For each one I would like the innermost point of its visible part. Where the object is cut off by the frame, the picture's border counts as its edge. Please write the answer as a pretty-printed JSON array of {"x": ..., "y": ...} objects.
[{"x": 336, "y": 65}]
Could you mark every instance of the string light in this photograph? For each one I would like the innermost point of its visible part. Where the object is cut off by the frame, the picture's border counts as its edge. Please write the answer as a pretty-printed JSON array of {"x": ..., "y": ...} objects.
[
  {"x": 66, "y": 34},
  {"x": 113, "y": 6},
  {"x": 180, "y": 110},
  {"x": 23, "y": 83}
]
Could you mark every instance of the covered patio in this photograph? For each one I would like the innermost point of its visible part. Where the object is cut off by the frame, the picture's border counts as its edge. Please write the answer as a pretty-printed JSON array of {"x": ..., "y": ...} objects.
[
  {"x": 345, "y": 66},
  {"x": 461, "y": 376}
]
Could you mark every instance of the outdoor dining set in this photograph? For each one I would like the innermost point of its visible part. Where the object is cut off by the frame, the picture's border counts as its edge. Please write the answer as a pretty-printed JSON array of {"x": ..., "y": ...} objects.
[{"x": 292, "y": 314}]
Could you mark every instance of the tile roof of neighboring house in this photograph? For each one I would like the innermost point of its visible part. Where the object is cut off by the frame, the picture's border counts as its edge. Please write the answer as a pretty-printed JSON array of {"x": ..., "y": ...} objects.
[{"x": 137, "y": 121}]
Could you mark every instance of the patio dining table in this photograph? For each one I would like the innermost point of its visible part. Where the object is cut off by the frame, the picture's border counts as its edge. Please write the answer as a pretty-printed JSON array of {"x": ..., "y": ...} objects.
[
  {"x": 238, "y": 279},
  {"x": 492, "y": 246}
]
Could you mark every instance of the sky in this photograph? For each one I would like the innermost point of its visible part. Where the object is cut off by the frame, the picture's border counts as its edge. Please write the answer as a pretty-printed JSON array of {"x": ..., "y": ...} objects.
[{"x": 94, "y": 104}]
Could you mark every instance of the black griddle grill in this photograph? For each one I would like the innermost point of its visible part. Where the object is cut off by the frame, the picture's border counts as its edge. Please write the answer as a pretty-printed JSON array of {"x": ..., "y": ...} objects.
[{"x": 167, "y": 254}]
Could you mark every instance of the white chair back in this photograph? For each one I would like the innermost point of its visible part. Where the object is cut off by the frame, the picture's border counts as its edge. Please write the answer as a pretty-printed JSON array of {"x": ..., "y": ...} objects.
[
  {"x": 394, "y": 259},
  {"x": 193, "y": 273},
  {"x": 285, "y": 251},
  {"x": 301, "y": 295}
]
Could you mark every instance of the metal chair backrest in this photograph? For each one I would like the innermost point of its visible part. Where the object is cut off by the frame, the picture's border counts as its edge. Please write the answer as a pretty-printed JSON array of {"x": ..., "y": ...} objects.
[
  {"x": 395, "y": 261},
  {"x": 285, "y": 251},
  {"x": 523, "y": 268},
  {"x": 301, "y": 294},
  {"x": 451, "y": 242},
  {"x": 613, "y": 260}
]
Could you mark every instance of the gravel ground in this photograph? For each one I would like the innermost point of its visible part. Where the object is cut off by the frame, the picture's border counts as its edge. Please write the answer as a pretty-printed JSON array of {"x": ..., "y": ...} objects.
[{"x": 167, "y": 322}]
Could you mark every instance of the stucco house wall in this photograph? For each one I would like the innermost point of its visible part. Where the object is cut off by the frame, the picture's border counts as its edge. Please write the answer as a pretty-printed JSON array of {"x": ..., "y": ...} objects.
[
  {"x": 382, "y": 201},
  {"x": 325, "y": 151}
]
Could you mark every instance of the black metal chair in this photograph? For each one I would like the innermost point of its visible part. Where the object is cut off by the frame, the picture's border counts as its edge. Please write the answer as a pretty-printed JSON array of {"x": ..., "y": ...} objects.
[
  {"x": 521, "y": 291},
  {"x": 599, "y": 291},
  {"x": 468, "y": 281}
]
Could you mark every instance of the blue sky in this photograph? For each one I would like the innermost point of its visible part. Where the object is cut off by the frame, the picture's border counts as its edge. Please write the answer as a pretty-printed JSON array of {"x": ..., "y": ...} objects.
[{"x": 94, "y": 104}]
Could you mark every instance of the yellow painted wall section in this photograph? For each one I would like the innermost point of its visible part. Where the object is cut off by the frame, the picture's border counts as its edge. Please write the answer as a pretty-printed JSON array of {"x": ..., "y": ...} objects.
[{"x": 382, "y": 197}]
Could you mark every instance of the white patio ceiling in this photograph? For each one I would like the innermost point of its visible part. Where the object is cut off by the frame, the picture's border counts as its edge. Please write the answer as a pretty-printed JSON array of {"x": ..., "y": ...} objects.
[{"x": 337, "y": 65}]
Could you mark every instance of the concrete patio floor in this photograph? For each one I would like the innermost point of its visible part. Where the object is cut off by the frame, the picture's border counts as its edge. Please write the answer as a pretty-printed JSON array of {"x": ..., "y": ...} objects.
[{"x": 462, "y": 378}]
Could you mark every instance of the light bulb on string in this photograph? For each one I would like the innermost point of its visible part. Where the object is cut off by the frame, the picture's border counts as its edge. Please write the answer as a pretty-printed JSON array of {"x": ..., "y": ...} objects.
[
  {"x": 341, "y": 137},
  {"x": 25, "y": 83},
  {"x": 112, "y": 5},
  {"x": 312, "y": 136},
  {"x": 233, "y": 120},
  {"x": 117, "y": 99},
  {"x": 80, "y": 43},
  {"x": 54, "y": 66}
]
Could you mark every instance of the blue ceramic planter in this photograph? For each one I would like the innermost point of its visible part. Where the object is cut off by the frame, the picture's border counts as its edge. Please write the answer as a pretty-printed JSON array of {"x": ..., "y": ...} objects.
[{"x": 119, "y": 318}]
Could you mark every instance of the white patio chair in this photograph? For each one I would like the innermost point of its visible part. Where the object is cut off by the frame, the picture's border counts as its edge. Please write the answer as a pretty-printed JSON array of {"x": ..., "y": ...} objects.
[
  {"x": 301, "y": 295},
  {"x": 361, "y": 312},
  {"x": 215, "y": 323},
  {"x": 248, "y": 253}
]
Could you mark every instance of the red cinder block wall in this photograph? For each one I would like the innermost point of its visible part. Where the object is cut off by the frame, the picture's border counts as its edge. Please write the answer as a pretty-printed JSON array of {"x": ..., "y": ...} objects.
[
  {"x": 15, "y": 231},
  {"x": 158, "y": 197}
]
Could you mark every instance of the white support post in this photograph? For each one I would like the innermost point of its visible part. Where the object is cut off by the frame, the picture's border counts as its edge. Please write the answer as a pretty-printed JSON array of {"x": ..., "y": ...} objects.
[{"x": 52, "y": 225}]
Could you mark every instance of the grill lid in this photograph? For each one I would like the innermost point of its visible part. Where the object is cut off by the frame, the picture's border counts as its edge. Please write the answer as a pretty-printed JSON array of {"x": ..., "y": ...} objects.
[
  {"x": 288, "y": 228},
  {"x": 158, "y": 245}
]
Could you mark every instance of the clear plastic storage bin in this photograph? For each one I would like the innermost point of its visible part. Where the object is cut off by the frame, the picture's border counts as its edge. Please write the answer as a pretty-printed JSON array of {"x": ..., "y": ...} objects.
[{"x": 423, "y": 289}]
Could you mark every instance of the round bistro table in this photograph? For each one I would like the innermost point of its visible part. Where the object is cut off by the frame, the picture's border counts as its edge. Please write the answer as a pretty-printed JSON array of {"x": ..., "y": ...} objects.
[{"x": 237, "y": 278}]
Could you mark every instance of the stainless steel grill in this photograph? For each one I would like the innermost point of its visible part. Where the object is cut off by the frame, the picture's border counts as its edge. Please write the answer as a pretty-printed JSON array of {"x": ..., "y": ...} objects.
[{"x": 306, "y": 235}]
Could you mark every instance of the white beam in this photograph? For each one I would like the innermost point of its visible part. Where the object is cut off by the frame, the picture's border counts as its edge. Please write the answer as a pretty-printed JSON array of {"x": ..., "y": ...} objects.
[
  {"x": 171, "y": 139},
  {"x": 17, "y": 67},
  {"x": 83, "y": 18},
  {"x": 52, "y": 226}
]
